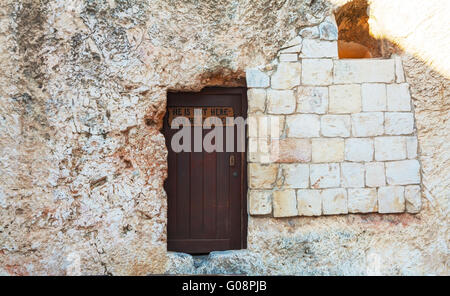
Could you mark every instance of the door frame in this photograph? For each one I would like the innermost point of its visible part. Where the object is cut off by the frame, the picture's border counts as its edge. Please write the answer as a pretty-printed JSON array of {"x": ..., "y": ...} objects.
[{"x": 242, "y": 91}]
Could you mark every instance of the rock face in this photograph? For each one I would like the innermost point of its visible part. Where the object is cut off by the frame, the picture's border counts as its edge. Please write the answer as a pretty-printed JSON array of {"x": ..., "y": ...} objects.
[{"x": 82, "y": 162}]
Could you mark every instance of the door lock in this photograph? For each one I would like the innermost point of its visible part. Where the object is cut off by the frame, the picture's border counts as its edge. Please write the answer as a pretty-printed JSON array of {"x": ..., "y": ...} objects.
[{"x": 232, "y": 161}]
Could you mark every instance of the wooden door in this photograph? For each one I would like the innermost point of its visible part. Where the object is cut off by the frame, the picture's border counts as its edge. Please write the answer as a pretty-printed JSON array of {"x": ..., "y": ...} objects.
[{"x": 207, "y": 208}]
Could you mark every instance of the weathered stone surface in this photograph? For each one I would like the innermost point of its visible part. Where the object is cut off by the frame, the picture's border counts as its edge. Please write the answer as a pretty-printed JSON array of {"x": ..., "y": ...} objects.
[
  {"x": 303, "y": 125},
  {"x": 334, "y": 201},
  {"x": 309, "y": 202},
  {"x": 327, "y": 150},
  {"x": 262, "y": 175},
  {"x": 317, "y": 71},
  {"x": 335, "y": 125},
  {"x": 373, "y": 96},
  {"x": 265, "y": 126},
  {"x": 352, "y": 175},
  {"x": 363, "y": 70},
  {"x": 345, "y": 98},
  {"x": 280, "y": 101},
  {"x": 310, "y": 32},
  {"x": 324, "y": 175},
  {"x": 256, "y": 100},
  {"x": 390, "y": 148},
  {"x": 291, "y": 150},
  {"x": 288, "y": 57},
  {"x": 413, "y": 199},
  {"x": 312, "y": 99},
  {"x": 359, "y": 149},
  {"x": 398, "y": 123},
  {"x": 257, "y": 78},
  {"x": 328, "y": 29},
  {"x": 375, "y": 174},
  {"x": 399, "y": 72},
  {"x": 295, "y": 175},
  {"x": 411, "y": 147},
  {"x": 315, "y": 48},
  {"x": 391, "y": 199},
  {"x": 362, "y": 200},
  {"x": 284, "y": 203},
  {"x": 403, "y": 172},
  {"x": 286, "y": 76},
  {"x": 367, "y": 124},
  {"x": 398, "y": 97},
  {"x": 259, "y": 150},
  {"x": 260, "y": 202}
]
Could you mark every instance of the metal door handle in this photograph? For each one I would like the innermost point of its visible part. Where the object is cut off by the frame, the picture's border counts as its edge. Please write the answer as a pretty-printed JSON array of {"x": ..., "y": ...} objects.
[{"x": 232, "y": 160}]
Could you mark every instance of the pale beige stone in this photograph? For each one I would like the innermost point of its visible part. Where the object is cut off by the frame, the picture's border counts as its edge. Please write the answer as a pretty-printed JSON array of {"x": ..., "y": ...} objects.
[
  {"x": 375, "y": 174},
  {"x": 413, "y": 199},
  {"x": 312, "y": 99},
  {"x": 284, "y": 203},
  {"x": 403, "y": 172},
  {"x": 262, "y": 176},
  {"x": 286, "y": 76},
  {"x": 295, "y": 175},
  {"x": 303, "y": 125},
  {"x": 310, "y": 32},
  {"x": 399, "y": 72},
  {"x": 367, "y": 124},
  {"x": 359, "y": 149},
  {"x": 315, "y": 48},
  {"x": 411, "y": 147},
  {"x": 335, "y": 125},
  {"x": 345, "y": 98},
  {"x": 259, "y": 150},
  {"x": 328, "y": 29},
  {"x": 362, "y": 200},
  {"x": 363, "y": 70},
  {"x": 352, "y": 175},
  {"x": 292, "y": 46},
  {"x": 373, "y": 96},
  {"x": 325, "y": 175},
  {"x": 327, "y": 150},
  {"x": 291, "y": 150},
  {"x": 334, "y": 201},
  {"x": 256, "y": 78},
  {"x": 265, "y": 126},
  {"x": 317, "y": 71},
  {"x": 280, "y": 101},
  {"x": 309, "y": 202},
  {"x": 260, "y": 202},
  {"x": 288, "y": 57},
  {"x": 256, "y": 100},
  {"x": 391, "y": 199},
  {"x": 398, "y": 97},
  {"x": 390, "y": 148},
  {"x": 399, "y": 123}
]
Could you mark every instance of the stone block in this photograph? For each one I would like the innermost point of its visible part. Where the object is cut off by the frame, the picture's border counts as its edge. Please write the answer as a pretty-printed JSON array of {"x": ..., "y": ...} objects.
[
  {"x": 284, "y": 203},
  {"x": 303, "y": 125},
  {"x": 286, "y": 76},
  {"x": 265, "y": 126},
  {"x": 399, "y": 73},
  {"x": 390, "y": 148},
  {"x": 262, "y": 176},
  {"x": 256, "y": 100},
  {"x": 345, "y": 99},
  {"x": 317, "y": 71},
  {"x": 315, "y": 48},
  {"x": 280, "y": 101},
  {"x": 335, "y": 125},
  {"x": 325, "y": 175},
  {"x": 295, "y": 175},
  {"x": 352, "y": 175},
  {"x": 413, "y": 199},
  {"x": 260, "y": 202},
  {"x": 259, "y": 150},
  {"x": 328, "y": 29},
  {"x": 362, "y": 200},
  {"x": 375, "y": 174},
  {"x": 398, "y": 123},
  {"x": 411, "y": 147},
  {"x": 403, "y": 172},
  {"x": 398, "y": 97},
  {"x": 291, "y": 150},
  {"x": 309, "y": 202},
  {"x": 367, "y": 124},
  {"x": 391, "y": 199},
  {"x": 288, "y": 57},
  {"x": 292, "y": 46},
  {"x": 363, "y": 70},
  {"x": 358, "y": 149},
  {"x": 310, "y": 32},
  {"x": 334, "y": 201},
  {"x": 327, "y": 150},
  {"x": 256, "y": 78},
  {"x": 373, "y": 96},
  {"x": 312, "y": 99}
]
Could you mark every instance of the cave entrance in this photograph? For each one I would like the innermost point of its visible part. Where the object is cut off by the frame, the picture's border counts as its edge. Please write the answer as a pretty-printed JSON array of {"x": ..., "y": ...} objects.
[{"x": 206, "y": 188}]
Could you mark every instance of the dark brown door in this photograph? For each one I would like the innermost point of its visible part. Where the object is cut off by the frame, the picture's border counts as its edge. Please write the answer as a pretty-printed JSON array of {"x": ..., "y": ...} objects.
[{"x": 207, "y": 209}]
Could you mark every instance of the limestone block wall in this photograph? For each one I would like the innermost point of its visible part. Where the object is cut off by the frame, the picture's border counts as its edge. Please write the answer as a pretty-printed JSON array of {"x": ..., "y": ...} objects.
[{"x": 330, "y": 136}]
